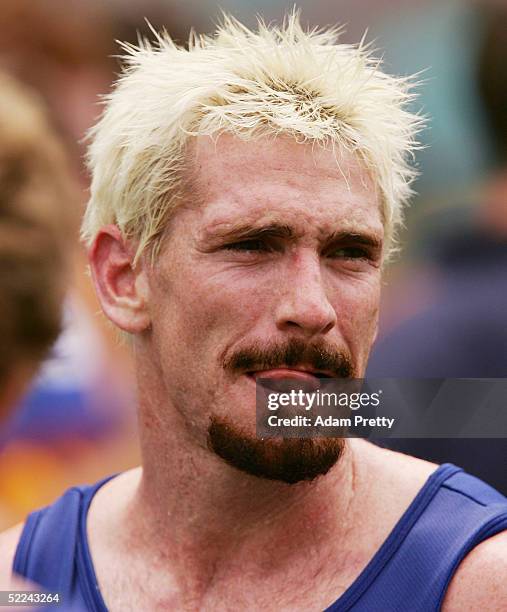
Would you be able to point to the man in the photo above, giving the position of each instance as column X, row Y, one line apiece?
column 245, row 195
column 36, row 219
column 36, row 194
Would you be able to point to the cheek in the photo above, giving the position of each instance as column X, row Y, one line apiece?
column 201, row 311
column 229, row 306
column 357, row 308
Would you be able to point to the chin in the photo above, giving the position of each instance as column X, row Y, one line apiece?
column 288, row 460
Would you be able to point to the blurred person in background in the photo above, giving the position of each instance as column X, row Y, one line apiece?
column 229, row 245
column 77, row 414
column 38, row 236
column 462, row 330
column 38, row 229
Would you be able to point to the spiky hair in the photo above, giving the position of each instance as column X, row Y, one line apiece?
column 272, row 81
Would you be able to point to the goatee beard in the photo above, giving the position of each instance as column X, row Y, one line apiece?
column 288, row 460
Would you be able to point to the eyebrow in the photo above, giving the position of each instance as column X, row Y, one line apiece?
column 246, row 231
column 243, row 231
column 363, row 238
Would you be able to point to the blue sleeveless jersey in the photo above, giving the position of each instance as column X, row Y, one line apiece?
column 451, row 514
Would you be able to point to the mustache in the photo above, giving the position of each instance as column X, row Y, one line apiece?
column 292, row 353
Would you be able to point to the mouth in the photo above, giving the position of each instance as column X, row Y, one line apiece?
column 303, row 374
column 285, row 379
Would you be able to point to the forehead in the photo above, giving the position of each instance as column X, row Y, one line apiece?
column 280, row 180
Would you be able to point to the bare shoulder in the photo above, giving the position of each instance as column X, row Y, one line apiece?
column 480, row 583
column 387, row 483
column 398, row 475
column 8, row 543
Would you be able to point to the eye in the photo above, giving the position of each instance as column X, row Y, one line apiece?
column 249, row 245
column 350, row 253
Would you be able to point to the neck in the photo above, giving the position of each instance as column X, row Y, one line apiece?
column 212, row 517
column 203, row 516
column 212, row 501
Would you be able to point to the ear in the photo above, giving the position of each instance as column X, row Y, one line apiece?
column 122, row 289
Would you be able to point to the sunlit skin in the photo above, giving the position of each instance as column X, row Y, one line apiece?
column 277, row 240
column 285, row 243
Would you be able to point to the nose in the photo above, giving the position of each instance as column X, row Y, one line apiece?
column 303, row 304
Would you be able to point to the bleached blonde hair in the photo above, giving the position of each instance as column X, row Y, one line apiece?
column 272, row 81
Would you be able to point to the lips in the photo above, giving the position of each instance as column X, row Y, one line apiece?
column 286, row 379
column 288, row 373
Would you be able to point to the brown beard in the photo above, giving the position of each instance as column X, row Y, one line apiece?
column 287, row 460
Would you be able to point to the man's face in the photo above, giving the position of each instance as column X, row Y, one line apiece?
column 273, row 270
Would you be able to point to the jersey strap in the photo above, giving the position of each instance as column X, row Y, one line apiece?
column 453, row 513
column 50, row 550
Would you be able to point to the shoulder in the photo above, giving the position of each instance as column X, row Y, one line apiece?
column 56, row 530
column 8, row 543
column 389, row 473
column 480, row 583
column 385, row 483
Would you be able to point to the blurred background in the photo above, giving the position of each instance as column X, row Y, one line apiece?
column 445, row 301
